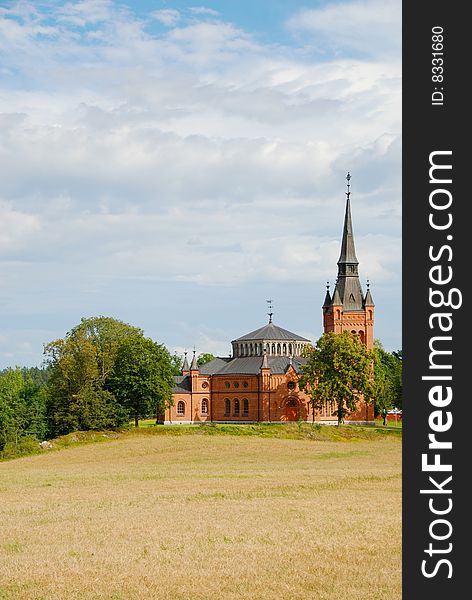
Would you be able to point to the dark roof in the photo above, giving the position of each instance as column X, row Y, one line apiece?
column 327, row 300
column 350, row 292
column 213, row 366
column 193, row 364
column 251, row 365
column 368, row 299
column 185, row 366
column 348, row 251
column 271, row 332
column 182, row 384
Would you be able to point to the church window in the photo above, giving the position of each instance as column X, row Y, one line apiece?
column 236, row 384
column 245, row 407
column 278, row 349
column 291, row 385
column 284, row 349
column 204, row 385
column 181, row 408
column 227, row 406
column 226, row 384
column 273, row 348
column 351, row 298
column 236, row 407
column 245, row 384
column 369, row 313
column 290, row 349
column 204, row 406
column 338, row 314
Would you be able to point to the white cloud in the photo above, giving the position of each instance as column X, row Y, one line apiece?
column 160, row 177
column 166, row 16
column 203, row 10
column 367, row 26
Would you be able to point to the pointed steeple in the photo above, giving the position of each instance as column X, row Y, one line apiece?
column 185, row 367
column 368, row 301
column 327, row 300
column 348, row 285
column 336, row 297
column 265, row 363
column 348, row 251
column 193, row 364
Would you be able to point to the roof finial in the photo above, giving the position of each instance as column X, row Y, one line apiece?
column 348, row 177
column 270, row 306
column 327, row 286
column 368, row 284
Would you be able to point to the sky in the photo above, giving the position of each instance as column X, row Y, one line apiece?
column 174, row 165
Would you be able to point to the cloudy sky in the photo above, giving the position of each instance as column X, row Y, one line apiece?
column 174, row 165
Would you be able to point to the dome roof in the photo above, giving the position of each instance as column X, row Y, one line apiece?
column 273, row 333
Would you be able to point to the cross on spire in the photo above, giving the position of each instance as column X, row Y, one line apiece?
column 270, row 306
column 348, row 178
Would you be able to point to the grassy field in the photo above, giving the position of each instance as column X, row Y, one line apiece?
column 182, row 513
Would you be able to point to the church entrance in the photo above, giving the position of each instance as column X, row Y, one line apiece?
column 291, row 410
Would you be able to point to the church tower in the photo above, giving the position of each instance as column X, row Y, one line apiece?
column 348, row 309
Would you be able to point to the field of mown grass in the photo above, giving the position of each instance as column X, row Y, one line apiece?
column 202, row 513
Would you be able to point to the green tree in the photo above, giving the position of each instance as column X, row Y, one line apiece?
column 339, row 371
column 76, row 398
column 22, row 408
column 204, row 358
column 176, row 362
column 80, row 366
column 142, row 377
column 387, row 380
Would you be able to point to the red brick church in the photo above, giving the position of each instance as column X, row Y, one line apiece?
column 259, row 381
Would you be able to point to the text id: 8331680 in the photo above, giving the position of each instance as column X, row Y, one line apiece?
column 437, row 65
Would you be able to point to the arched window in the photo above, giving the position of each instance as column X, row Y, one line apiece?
column 361, row 335
column 273, row 348
column 369, row 315
column 290, row 349
column 245, row 407
column 227, row 406
column 181, row 407
column 278, row 349
column 204, row 406
column 284, row 349
column 236, row 407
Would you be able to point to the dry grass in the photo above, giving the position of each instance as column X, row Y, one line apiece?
column 203, row 518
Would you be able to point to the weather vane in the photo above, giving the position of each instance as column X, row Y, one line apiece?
column 348, row 177
column 270, row 306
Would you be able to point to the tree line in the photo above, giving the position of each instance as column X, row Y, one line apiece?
column 105, row 373
column 101, row 375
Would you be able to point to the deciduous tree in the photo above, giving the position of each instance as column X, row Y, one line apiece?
column 338, row 371
column 142, row 377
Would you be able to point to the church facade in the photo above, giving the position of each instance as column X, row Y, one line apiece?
column 259, row 381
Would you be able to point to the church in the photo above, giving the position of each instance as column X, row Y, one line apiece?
column 259, row 381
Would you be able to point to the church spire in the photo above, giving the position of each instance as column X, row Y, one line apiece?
column 348, row 286
column 185, row 367
column 348, row 251
column 327, row 300
column 194, row 365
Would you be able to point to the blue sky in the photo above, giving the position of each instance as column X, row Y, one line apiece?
column 175, row 164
